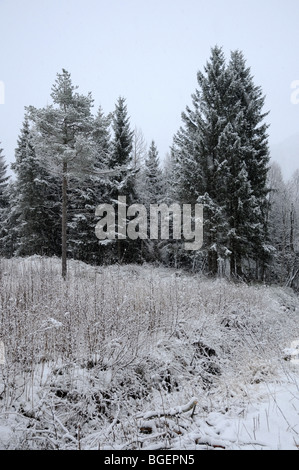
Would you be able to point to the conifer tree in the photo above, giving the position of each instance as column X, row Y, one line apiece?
column 247, row 102
column 123, row 183
column 63, row 140
column 34, row 216
column 122, row 142
column 200, row 165
column 153, row 176
column 151, row 191
column 102, row 137
column 221, row 160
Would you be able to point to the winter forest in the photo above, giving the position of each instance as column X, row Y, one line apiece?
column 219, row 158
column 100, row 335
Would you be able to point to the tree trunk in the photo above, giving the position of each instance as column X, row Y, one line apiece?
column 235, row 262
column 212, row 262
column 64, row 221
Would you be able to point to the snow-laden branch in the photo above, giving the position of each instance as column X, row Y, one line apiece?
column 172, row 411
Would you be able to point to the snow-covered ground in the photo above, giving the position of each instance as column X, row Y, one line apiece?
column 142, row 357
column 267, row 420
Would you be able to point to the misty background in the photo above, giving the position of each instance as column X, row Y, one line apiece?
column 148, row 52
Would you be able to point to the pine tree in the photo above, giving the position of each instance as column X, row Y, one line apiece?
column 63, row 140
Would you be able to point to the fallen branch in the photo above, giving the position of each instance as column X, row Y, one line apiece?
column 173, row 411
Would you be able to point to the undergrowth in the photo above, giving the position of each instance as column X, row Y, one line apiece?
column 86, row 359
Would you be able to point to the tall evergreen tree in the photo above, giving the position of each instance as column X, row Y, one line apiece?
column 200, row 164
column 153, row 176
column 151, row 191
column 63, row 140
column 123, row 183
column 247, row 101
column 122, row 143
column 34, row 216
column 218, row 152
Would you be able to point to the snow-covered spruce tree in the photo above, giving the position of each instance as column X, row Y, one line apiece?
column 248, row 226
column 171, row 252
column 34, row 215
column 151, row 191
column 63, row 140
column 4, row 200
column 218, row 152
column 153, row 176
column 199, row 165
column 102, row 136
column 123, row 183
column 87, row 194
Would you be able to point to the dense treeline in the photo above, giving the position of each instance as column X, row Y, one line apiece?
column 68, row 161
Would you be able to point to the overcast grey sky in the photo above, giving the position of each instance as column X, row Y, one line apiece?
column 148, row 51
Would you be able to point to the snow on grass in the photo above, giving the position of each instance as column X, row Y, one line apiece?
column 137, row 357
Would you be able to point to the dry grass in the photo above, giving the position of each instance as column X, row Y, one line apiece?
column 89, row 353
